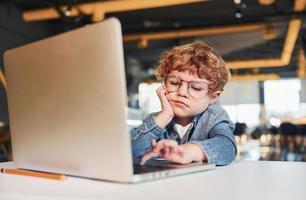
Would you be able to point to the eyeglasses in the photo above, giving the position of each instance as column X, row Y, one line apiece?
column 196, row 89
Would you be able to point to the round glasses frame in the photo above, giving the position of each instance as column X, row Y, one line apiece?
column 189, row 86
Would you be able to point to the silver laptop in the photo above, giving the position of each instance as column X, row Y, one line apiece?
column 67, row 100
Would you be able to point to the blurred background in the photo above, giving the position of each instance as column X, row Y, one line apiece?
column 262, row 41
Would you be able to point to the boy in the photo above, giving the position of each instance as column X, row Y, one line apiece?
column 191, row 126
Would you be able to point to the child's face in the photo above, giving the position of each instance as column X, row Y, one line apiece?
column 191, row 96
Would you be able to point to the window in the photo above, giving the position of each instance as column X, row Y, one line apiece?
column 244, row 113
column 282, row 97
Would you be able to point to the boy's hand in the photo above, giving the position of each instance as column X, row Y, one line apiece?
column 166, row 114
column 170, row 150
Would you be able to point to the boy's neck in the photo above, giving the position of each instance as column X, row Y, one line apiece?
column 183, row 121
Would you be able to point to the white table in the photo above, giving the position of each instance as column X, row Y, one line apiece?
column 242, row 180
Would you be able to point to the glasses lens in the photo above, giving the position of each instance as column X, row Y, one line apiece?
column 198, row 89
column 172, row 83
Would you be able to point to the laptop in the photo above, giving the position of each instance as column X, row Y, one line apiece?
column 67, row 107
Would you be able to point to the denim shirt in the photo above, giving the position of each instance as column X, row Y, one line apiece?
column 211, row 130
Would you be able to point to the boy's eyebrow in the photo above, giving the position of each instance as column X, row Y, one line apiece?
column 191, row 80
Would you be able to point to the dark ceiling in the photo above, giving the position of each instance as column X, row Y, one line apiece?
column 206, row 14
column 202, row 14
column 140, row 62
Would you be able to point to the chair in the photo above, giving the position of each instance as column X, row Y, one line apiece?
column 5, row 144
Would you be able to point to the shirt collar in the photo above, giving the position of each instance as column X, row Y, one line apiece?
column 193, row 122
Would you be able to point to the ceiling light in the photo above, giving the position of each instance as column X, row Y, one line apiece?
column 243, row 5
column 238, row 14
column 151, row 24
column 68, row 13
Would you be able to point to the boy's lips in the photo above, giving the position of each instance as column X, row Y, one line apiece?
column 180, row 103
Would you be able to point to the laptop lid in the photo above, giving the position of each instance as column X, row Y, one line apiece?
column 66, row 99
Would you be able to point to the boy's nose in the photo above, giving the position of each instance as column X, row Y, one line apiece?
column 183, row 89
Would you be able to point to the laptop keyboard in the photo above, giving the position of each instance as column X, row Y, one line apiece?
column 141, row 169
column 156, row 165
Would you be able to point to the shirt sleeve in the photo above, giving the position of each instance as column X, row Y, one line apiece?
column 142, row 136
column 220, row 148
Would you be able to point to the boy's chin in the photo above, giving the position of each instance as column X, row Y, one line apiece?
column 182, row 114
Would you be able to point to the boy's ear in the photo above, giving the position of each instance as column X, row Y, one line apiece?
column 214, row 97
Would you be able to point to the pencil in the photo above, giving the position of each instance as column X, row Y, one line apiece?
column 33, row 173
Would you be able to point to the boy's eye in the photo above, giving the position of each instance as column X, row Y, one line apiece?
column 197, row 88
column 174, row 81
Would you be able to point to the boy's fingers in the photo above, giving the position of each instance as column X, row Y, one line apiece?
column 180, row 149
column 175, row 158
column 170, row 143
column 147, row 157
column 155, row 151
column 158, row 146
column 165, row 144
column 166, row 151
column 174, row 150
column 161, row 93
column 162, row 148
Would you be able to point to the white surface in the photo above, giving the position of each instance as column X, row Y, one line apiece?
column 243, row 180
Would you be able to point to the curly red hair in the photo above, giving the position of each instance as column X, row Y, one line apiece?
column 196, row 58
